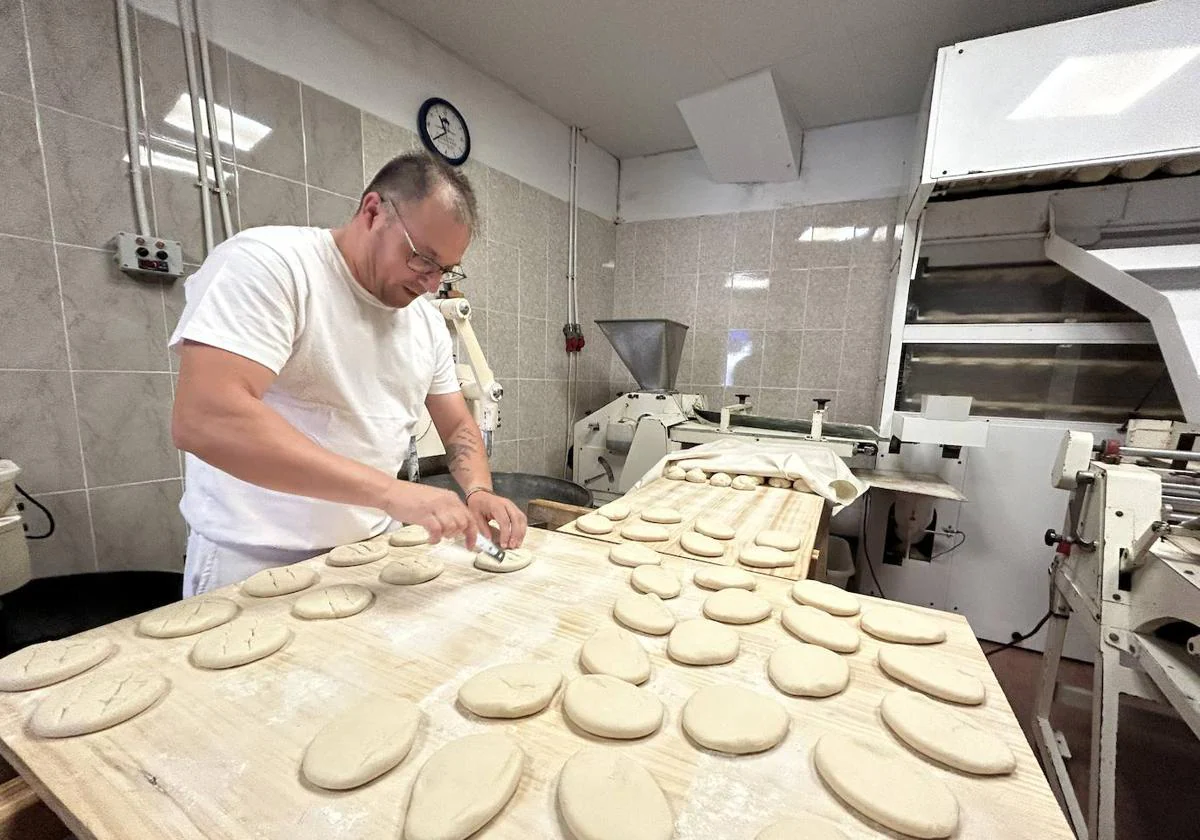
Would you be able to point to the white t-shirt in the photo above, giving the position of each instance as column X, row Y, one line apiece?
column 353, row 375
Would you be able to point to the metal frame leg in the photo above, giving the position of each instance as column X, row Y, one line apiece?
column 1102, row 783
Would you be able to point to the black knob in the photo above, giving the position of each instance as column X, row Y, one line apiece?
column 741, row 398
column 821, row 403
column 1052, row 538
column 143, row 252
column 162, row 255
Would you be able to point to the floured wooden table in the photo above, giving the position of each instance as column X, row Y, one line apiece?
column 218, row 757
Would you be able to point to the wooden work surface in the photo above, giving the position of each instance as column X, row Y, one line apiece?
column 218, row 756
column 749, row 511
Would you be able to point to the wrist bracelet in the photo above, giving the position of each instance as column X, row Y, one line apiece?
column 475, row 489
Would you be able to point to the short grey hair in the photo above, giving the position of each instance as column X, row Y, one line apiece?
column 413, row 177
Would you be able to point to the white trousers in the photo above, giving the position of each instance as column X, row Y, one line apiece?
column 210, row 565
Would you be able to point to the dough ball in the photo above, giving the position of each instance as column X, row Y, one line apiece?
column 699, row 641
column 594, row 523
column 607, row 796
column 644, row 613
column 611, row 708
column 696, row 476
column 615, row 510
column 662, row 515
column 736, row 606
column 512, row 690
column 818, row 627
column 801, row 485
column 340, row 601
column 809, row 828
column 720, row 479
column 356, row 554
column 38, row 666
column 462, row 786
column 646, row 532
column 825, row 596
column 932, row 729
column 805, row 670
column 187, row 617
column 675, row 473
column 783, row 540
column 655, row 579
column 361, row 744
column 283, row 580
column 96, row 703
column 700, row 545
column 615, row 652
column 735, row 720
column 715, row 527
column 720, row 577
column 515, row 559
column 744, row 482
column 633, row 554
column 409, row 535
column 894, row 624
column 240, row 642
column 765, row 557
column 931, row 673
column 411, row 569
column 777, row 481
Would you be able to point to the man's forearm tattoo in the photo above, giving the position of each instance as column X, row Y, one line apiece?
column 462, row 447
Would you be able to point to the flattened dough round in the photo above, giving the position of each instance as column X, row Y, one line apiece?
column 735, row 720
column 893, row 624
column 645, row 532
column 809, row 828
column 662, row 582
column 780, row 482
column 281, row 581
column 594, row 523
column 339, row 601
column 696, row 476
column 512, row 690
column 615, row 652
column 615, row 510
column 699, row 641
column 825, row 596
column 675, row 473
column 818, row 627
column 720, row 577
column 38, row 666
column 633, row 554
column 515, row 559
column 736, row 606
column 411, row 569
column 930, row 672
column 720, row 479
column 895, row 791
column 611, row 708
column 715, row 527
column 362, row 743
column 745, row 482
column 765, row 557
column 408, row 535
column 700, row 545
column 662, row 514
column 603, row 795
column 239, row 643
column 96, row 703
column 805, row 670
column 356, row 554
column 783, row 540
column 933, row 729
column 645, row 613
column 462, row 786
column 184, row 618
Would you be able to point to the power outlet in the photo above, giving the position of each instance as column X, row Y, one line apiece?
column 148, row 256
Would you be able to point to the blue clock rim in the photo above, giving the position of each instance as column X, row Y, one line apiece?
column 424, row 133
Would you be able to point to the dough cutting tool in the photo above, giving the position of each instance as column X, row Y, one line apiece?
column 484, row 543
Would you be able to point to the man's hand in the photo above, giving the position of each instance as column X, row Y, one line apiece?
column 440, row 512
column 485, row 505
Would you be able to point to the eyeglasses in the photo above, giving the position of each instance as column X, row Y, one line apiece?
column 423, row 265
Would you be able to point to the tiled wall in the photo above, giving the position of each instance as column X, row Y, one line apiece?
column 86, row 381
column 785, row 305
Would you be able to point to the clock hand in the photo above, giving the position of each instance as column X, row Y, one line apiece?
column 436, row 136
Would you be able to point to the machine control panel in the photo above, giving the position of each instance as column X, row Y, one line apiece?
column 148, row 256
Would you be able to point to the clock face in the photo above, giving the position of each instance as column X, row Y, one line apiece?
column 444, row 131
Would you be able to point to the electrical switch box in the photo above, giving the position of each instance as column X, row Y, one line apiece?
column 148, row 256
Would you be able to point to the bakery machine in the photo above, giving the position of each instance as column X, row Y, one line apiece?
column 14, row 550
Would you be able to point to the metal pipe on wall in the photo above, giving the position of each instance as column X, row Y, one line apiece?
column 189, row 60
column 572, row 299
column 214, row 140
column 131, row 119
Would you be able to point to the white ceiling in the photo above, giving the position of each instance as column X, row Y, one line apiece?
column 616, row 68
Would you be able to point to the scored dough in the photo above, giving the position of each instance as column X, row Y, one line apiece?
column 732, row 719
column 765, row 557
column 339, row 601
column 606, row 796
column 411, row 569
column 512, row 690
column 462, row 786
column 929, row 672
column 663, row 583
column 736, row 606
column 38, row 666
column 594, row 523
column 662, row 515
column 645, row 532
column 700, row 545
column 362, row 743
column 615, row 510
column 780, row 482
column 675, row 473
column 633, row 554
column 825, row 596
column 611, row 708
column 645, row 613
column 783, row 540
column 615, row 652
column 818, row 627
column 744, row 482
column 810, row 828
column 356, row 554
column 806, row 670
column 515, row 559
column 409, row 535
column 239, row 643
column 720, row 479
column 187, row 617
column 724, row 578
column 712, row 526
column 934, row 730
column 96, row 703
column 696, row 476
column 281, row 581
column 894, row 791
column 699, row 641
column 893, row 624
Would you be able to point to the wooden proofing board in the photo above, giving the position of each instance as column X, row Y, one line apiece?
column 218, row 756
column 686, row 497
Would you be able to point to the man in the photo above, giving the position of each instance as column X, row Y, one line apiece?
column 305, row 355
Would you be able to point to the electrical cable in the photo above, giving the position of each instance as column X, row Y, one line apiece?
column 43, row 509
column 954, row 547
column 866, row 549
column 1020, row 637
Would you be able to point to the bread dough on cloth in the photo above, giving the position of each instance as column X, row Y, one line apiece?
column 633, row 554
column 615, row 652
column 283, row 580
column 893, row 790
column 809, row 828
column 805, row 670
column 463, row 786
column 662, row 582
column 699, row 641
column 594, row 523
column 38, row 666
column 765, row 557
column 515, row 559
column 411, row 569
column 732, row 719
column 818, row 627
column 340, row 601
column 96, row 703
column 934, row 729
column 615, row 510
column 239, row 642
column 645, row 613
column 409, row 535
column 696, row 476
column 720, row 479
column 824, row 596
column 715, row 527
column 783, row 540
column 645, row 532
column 675, row 473
column 662, row 515
column 723, row 578
column 362, row 743
column 184, row 618
column 356, row 554
column 611, row 708
column 931, row 673
column 511, row 690
column 893, row 624
column 605, row 795
column 700, row 545
column 780, row 482
column 736, row 606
